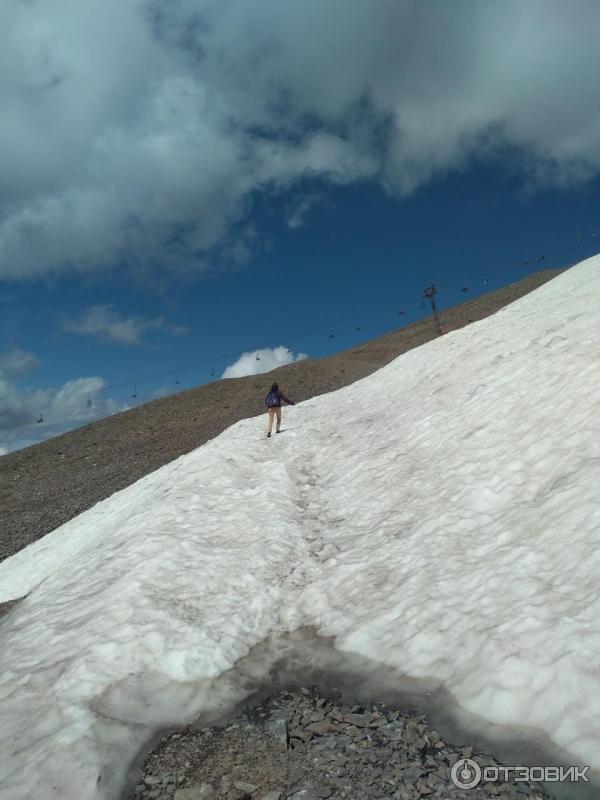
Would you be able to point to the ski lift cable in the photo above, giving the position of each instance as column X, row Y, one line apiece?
column 332, row 323
column 290, row 337
column 329, row 324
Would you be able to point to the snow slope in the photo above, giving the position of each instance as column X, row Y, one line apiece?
column 439, row 516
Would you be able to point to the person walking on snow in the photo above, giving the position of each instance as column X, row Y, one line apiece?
column 273, row 402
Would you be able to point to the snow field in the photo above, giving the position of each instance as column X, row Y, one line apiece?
column 439, row 517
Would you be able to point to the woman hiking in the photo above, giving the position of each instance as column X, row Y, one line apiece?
column 273, row 402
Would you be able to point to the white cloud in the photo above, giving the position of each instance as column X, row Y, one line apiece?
column 299, row 209
column 268, row 359
column 104, row 323
column 140, row 133
column 62, row 409
column 14, row 363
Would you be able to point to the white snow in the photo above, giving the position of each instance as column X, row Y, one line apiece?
column 439, row 516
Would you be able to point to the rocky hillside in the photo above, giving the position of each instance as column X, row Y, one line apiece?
column 43, row 486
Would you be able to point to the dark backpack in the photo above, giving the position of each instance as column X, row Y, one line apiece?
column 273, row 399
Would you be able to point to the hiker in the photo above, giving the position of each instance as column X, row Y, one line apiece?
column 273, row 403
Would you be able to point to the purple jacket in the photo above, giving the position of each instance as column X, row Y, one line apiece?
column 280, row 397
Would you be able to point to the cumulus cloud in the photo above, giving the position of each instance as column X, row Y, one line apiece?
column 104, row 323
column 268, row 359
column 139, row 133
column 60, row 409
column 14, row 363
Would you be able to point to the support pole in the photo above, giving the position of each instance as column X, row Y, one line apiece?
column 429, row 294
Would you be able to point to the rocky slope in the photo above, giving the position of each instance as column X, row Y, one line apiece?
column 43, row 486
column 301, row 745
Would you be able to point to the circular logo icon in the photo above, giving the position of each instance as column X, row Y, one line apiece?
column 466, row 773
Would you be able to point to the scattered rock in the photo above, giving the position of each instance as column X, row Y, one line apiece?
column 320, row 728
column 277, row 728
column 201, row 791
column 359, row 720
column 302, row 746
column 246, row 789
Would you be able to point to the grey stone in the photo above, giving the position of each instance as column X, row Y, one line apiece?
column 245, row 788
column 200, row 791
column 424, row 788
column 491, row 788
column 300, row 733
column 277, row 729
column 360, row 720
column 272, row 796
column 320, row 728
column 378, row 722
column 414, row 772
column 337, row 741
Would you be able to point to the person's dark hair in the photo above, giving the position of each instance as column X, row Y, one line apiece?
column 275, row 387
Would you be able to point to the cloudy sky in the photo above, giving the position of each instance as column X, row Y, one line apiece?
column 186, row 184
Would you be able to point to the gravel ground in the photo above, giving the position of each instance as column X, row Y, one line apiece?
column 303, row 746
column 43, row 486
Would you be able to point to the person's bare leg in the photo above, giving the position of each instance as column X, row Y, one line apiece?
column 278, row 413
column 271, row 413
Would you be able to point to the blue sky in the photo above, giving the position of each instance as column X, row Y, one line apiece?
column 220, row 199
